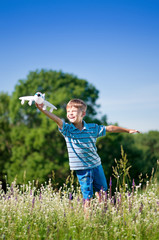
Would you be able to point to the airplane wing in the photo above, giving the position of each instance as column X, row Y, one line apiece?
column 48, row 104
column 27, row 98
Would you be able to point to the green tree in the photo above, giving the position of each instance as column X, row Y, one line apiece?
column 38, row 148
column 5, row 129
column 148, row 143
column 109, row 149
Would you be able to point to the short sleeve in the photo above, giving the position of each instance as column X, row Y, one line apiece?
column 64, row 128
column 101, row 131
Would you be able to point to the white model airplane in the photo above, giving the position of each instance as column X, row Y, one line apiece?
column 39, row 98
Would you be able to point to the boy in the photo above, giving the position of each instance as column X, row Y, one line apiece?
column 81, row 145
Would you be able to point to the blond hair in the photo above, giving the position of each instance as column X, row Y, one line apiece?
column 77, row 103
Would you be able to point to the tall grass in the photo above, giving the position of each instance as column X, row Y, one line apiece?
column 45, row 213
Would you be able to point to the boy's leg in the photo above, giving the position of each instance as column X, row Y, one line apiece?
column 100, row 182
column 85, row 178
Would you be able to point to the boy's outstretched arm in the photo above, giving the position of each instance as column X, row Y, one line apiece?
column 117, row 129
column 52, row 116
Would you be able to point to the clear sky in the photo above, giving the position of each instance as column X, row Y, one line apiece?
column 112, row 44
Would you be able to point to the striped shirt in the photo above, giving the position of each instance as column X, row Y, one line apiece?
column 81, row 145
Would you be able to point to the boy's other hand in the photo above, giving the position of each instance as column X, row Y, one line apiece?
column 133, row 131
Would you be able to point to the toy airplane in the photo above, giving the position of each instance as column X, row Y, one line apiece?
column 39, row 98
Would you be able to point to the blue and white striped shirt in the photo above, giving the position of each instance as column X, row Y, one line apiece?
column 81, row 145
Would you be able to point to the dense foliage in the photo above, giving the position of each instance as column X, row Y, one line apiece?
column 31, row 146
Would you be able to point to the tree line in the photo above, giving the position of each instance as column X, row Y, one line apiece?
column 31, row 147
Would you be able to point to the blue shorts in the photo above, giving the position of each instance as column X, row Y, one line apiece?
column 90, row 178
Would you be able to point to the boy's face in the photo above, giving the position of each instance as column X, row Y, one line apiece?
column 75, row 115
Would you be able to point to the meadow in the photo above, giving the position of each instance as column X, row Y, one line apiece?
column 45, row 212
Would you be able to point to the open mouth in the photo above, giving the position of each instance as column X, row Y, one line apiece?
column 71, row 118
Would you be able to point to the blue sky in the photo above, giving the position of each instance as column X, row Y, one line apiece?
column 112, row 44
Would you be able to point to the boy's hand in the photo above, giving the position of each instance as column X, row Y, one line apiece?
column 39, row 106
column 133, row 131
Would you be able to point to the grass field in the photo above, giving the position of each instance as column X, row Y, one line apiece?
column 30, row 213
